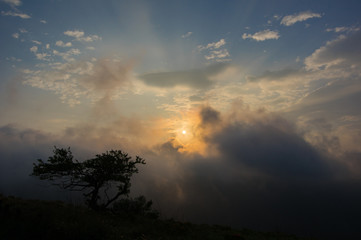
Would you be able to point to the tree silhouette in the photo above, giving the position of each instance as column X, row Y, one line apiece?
column 97, row 177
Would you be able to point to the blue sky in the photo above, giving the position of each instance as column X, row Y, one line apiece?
column 241, row 93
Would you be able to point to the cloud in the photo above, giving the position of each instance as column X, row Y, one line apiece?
column 108, row 75
column 270, row 171
column 42, row 56
column 39, row 56
column 271, row 150
column 214, row 52
column 103, row 79
column 343, row 29
column 68, row 55
column 197, row 78
column 279, row 75
column 262, row 35
column 298, row 17
column 340, row 94
column 15, row 35
column 344, row 51
column 187, row 35
column 15, row 3
column 17, row 154
column 338, row 60
column 209, row 115
column 213, row 45
column 15, row 14
column 34, row 49
column 13, row 59
column 76, row 34
column 217, row 54
column 36, row 42
column 43, row 21
column 263, row 175
column 80, row 36
column 62, row 44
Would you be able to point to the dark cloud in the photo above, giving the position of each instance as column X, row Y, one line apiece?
column 265, row 176
column 270, row 150
column 18, row 150
column 219, row 190
column 209, row 116
column 197, row 78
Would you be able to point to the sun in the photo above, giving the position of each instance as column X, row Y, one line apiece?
column 184, row 132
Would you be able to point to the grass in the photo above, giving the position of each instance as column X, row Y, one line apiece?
column 36, row 219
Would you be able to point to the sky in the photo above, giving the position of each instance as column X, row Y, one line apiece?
column 246, row 112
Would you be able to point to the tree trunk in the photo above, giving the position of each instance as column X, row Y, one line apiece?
column 93, row 202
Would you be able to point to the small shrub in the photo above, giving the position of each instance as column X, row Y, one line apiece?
column 135, row 206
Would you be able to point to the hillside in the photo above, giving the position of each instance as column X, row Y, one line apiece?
column 36, row 219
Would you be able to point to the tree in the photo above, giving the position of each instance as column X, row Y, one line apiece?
column 96, row 177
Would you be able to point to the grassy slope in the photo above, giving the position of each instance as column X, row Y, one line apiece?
column 35, row 219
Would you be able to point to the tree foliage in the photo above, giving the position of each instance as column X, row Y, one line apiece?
column 103, row 179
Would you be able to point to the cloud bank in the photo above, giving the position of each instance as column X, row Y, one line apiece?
column 257, row 172
column 341, row 52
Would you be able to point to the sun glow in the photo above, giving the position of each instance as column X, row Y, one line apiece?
column 184, row 132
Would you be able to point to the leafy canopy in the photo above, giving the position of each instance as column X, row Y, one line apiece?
column 97, row 177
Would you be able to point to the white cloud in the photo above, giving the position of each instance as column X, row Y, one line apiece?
column 47, row 46
column 14, row 59
column 216, row 54
column 90, row 38
column 15, row 35
column 343, row 29
column 80, row 36
column 43, row 21
column 34, row 49
column 214, row 45
column 22, row 30
column 277, row 17
column 298, row 17
column 15, row 14
column 41, row 56
column 67, row 55
column 76, row 33
column 13, row 2
column 262, row 35
column 216, row 51
column 188, row 34
column 62, row 44
column 36, row 42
